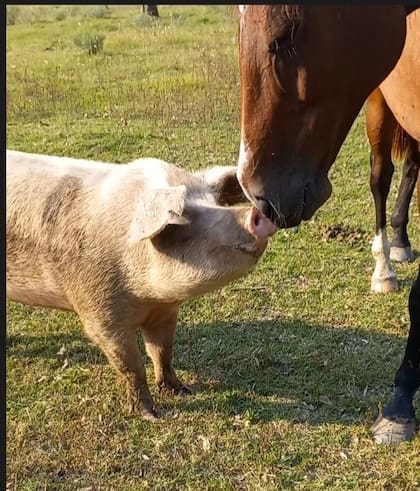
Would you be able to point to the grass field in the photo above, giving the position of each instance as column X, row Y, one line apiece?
column 290, row 365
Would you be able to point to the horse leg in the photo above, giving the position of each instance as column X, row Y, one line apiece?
column 397, row 423
column 400, row 245
column 380, row 125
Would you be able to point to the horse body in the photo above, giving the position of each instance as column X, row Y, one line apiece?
column 401, row 88
column 306, row 71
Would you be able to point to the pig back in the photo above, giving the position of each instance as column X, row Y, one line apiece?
column 58, row 248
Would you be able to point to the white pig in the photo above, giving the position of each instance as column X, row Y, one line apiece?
column 123, row 245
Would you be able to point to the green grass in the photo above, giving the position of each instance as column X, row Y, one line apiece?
column 290, row 365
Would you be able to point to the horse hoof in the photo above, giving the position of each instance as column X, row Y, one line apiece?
column 402, row 254
column 393, row 432
column 387, row 285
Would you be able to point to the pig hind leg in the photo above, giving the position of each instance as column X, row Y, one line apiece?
column 121, row 349
column 158, row 335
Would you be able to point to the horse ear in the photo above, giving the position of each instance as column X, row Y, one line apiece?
column 157, row 209
column 224, row 184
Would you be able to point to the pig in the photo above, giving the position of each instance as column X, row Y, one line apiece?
column 123, row 246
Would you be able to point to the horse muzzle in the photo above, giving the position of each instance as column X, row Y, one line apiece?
column 288, row 203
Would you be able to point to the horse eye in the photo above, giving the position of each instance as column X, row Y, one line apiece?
column 280, row 41
column 275, row 45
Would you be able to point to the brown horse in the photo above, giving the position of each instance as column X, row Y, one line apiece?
column 306, row 71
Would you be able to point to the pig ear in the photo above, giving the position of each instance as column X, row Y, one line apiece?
column 157, row 209
column 224, row 184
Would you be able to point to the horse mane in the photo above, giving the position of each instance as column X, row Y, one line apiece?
column 291, row 12
column 402, row 143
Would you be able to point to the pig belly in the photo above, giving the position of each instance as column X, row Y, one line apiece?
column 35, row 292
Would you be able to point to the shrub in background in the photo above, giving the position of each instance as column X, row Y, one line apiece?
column 99, row 11
column 92, row 42
column 12, row 14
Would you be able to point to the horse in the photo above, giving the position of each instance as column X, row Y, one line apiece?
column 386, row 138
column 305, row 72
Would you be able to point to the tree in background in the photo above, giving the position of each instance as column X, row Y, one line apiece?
column 151, row 10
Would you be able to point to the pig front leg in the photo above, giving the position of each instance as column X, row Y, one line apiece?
column 158, row 335
column 120, row 348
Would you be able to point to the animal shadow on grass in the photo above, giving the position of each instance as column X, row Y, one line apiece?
column 262, row 370
column 274, row 370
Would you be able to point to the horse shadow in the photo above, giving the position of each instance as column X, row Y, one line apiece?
column 259, row 370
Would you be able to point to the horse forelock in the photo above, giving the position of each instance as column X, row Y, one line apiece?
column 292, row 13
column 271, row 18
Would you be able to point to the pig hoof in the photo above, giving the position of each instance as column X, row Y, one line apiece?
column 176, row 389
column 184, row 390
column 150, row 415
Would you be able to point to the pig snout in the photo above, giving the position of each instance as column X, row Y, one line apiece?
column 258, row 225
